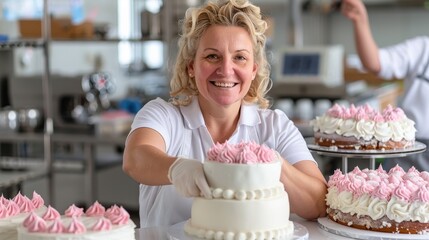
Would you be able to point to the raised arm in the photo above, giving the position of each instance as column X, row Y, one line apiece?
column 366, row 47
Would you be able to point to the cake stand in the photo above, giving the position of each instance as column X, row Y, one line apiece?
column 176, row 232
column 418, row 147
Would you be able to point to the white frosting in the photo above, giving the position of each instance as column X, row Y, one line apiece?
column 365, row 129
column 395, row 209
column 122, row 232
column 248, row 202
column 8, row 225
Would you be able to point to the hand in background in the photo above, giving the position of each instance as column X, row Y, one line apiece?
column 187, row 175
column 354, row 10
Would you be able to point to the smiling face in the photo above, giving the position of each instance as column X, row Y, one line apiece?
column 224, row 65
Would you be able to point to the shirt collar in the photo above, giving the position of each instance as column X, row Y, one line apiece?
column 194, row 118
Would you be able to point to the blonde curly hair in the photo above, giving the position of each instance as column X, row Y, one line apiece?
column 239, row 13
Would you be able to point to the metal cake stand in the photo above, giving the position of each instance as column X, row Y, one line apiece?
column 345, row 154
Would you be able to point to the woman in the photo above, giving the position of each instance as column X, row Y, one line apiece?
column 218, row 86
column 408, row 60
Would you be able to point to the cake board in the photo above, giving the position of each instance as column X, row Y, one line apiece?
column 176, row 232
column 339, row 229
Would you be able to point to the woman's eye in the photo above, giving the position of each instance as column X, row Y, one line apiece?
column 212, row 56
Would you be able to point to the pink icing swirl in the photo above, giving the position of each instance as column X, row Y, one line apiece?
column 56, row 227
column 19, row 199
column 73, row 211
column 75, row 227
column 121, row 218
column 37, row 200
column 243, row 152
column 113, row 210
column 3, row 211
column 51, row 214
column 95, row 209
column 382, row 192
column 26, row 206
column 103, row 224
column 29, row 219
column 3, row 200
column 12, row 208
column 402, row 192
column 37, row 225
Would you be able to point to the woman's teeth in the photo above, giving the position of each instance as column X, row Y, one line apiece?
column 225, row 85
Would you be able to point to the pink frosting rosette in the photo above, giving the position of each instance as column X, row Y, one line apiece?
column 382, row 192
column 19, row 199
column 121, row 218
column 51, row 214
column 265, row 154
column 96, row 209
column 3, row 200
column 29, row 219
column 37, row 200
column 76, row 226
column 37, row 225
column 335, row 111
column 26, row 206
column 12, row 208
column 402, row 192
column 3, row 211
column 422, row 194
column 113, row 210
column 335, row 178
column 246, row 156
column 102, row 224
column 73, row 211
column 56, row 227
column 377, row 117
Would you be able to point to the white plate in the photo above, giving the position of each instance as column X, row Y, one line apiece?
column 339, row 229
column 176, row 232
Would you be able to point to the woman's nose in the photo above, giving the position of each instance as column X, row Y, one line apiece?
column 225, row 68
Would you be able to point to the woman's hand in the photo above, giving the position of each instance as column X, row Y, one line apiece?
column 187, row 175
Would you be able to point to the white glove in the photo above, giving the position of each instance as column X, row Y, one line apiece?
column 187, row 175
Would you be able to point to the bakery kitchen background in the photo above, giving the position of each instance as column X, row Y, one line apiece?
column 68, row 93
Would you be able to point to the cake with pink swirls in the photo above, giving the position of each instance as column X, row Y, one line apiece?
column 364, row 128
column 13, row 212
column 248, row 200
column 394, row 201
column 96, row 222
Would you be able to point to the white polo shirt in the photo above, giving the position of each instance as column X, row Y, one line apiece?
column 185, row 134
column 410, row 60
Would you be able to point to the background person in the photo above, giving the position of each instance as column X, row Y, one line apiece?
column 408, row 60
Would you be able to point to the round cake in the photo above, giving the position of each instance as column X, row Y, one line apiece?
column 248, row 200
column 14, row 211
column 364, row 128
column 96, row 223
column 395, row 201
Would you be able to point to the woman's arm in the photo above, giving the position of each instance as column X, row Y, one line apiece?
column 366, row 46
column 145, row 159
column 306, row 188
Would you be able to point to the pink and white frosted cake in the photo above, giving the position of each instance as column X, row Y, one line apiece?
column 395, row 201
column 248, row 199
column 96, row 223
column 14, row 211
column 364, row 128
